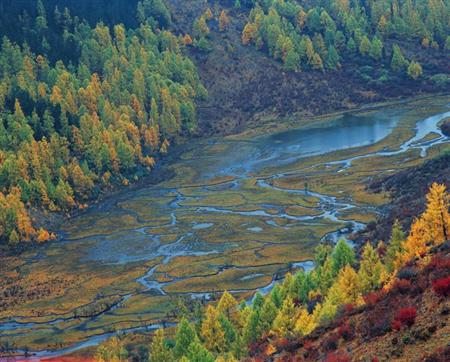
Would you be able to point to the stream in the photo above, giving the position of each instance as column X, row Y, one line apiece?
column 171, row 221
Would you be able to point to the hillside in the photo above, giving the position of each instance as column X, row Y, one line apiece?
column 369, row 333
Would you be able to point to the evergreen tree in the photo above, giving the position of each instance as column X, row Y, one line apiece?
column 183, row 338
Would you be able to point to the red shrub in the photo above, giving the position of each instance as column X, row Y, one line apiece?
column 331, row 343
column 373, row 298
column 348, row 307
column 282, row 343
column 405, row 316
column 403, row 286
column 337, row 357
column 375, row 359
column 396, row 325
column 439, row 263
column 345, row 331
column 442, row 286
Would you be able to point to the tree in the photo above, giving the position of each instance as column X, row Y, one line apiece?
column 304, row 324
column 284, row 322
column 332, row 58
column 376, row 49
column 436, row 216
column 292, row 60
column 224, row 20
column 249, row 33
column 342, row 255
column 197, row 353
column 267, row 316
column 211, row 330
column 200, row 29
column 395, row 247
column 227, row 305
column 370, row 270
column 398, row 61
column 112, row 351
column 183, row 338
column 364, row 46
column 414, row 70
column 316, row 62
column 159, row 352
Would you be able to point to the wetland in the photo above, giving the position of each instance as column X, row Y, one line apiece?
column 236, row 214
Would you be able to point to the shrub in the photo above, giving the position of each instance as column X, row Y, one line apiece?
column 442, row 286
column 402, row 286
column 396, row 325
column 405, row 317
column 331, row 343
column 346, row 331
column 373, row 298
column 407, row 273
column 337, row 357
column 438, row 263
column 348, row 308
column 376, row 323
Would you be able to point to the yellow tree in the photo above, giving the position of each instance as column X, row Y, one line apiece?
column 211, row 330
column 305, row 323
column 436, row 216
column 224, row 20
column 345, row 289
column 249, row 33
column 284, row 322
column 159, row 352
column 227, row 305
column 370, row 270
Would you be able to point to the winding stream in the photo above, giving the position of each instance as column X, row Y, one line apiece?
column 173, row 219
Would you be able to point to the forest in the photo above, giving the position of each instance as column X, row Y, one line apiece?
column 329, row 35
column 102, row 116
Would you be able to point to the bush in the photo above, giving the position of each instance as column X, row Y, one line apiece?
column 337, row 357
column 405, row 317
column 442, row 286
column 331, row 343
column 407, row 273
column 346, row 331
column 373, row 298
column 402, row 286
column 438, row 263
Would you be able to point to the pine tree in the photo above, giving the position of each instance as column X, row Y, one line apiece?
column 211, row 330
column 284, row 322
column 364, row 46
column 414, row 70
column 370, row 270
column 224, row 20
column 197, row 353
column 437, row 216
column 395, row 247
column 159, row 352
column 342, row 255
column 304, row 324
column 227, row 305
column 183, row 338
column 398, row 61
column 376, row 49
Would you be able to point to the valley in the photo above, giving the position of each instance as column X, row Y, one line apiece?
column 228, row 213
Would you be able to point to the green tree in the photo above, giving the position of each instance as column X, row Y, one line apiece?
column 159, row 352
column 395, row 247
column 398, row 61
column 414, row 70
column 342, row 255
column 183, row 338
